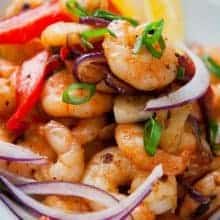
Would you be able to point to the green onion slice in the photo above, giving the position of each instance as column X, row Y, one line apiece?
column 212, row 65
column 75, row 8
column 180, row 73
column 94, row 33
column 213, row 131
column 152, row 134
column 69, row 98
column 151, row 38
column 111, row 17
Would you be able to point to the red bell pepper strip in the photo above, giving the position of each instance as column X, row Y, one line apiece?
column 29, row 87
column 29, row 24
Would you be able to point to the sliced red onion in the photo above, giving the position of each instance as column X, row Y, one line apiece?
column 20, row 212
column 54, row 63
column 15, row 178
column 90, row 67
column 70, row 189
column 193, row 90
column 216, row 215
column 120, row 86
column 94, row 21
column 7, row 212
column 117, row 212
column 11, row 152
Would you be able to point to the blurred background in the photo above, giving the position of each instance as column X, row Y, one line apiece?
column 201, row 18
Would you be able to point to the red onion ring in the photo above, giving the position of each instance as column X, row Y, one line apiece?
column 11, row 152
column 193, row 90
column 94, row 21
column 83, row 66
column 119, row 211
column 215, row 216
column 15, row 178
column 70, row 189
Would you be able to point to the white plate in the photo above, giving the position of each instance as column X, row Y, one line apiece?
column 202, row 20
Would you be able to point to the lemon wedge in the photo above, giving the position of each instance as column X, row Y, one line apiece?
column 151, row 10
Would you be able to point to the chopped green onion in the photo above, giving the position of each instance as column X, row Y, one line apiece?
column 180, row 73
column 152, row 134
column 212, row 65
column 94, row 33
column 75, row 8
column 151, row 38
column 111, row 17
column 156, row 52
column 69, row 98
column 213, row 131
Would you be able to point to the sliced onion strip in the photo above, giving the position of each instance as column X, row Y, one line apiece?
column 117, row 212
column 15, row 178
column 70, row 189
column 193, row 90
column 11, row 152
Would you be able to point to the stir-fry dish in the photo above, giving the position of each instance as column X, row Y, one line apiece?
column 104, row 117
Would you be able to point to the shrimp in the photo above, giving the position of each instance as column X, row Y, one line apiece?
column 70, row 155
column 33, row 140
column 68, row 204
column 20, row 5
column 88, row 129
column 109, row 170
column 8, row 97
column 208, row 186
column 57, row 34
column 129, row 138
column 141, row 70
column 53, row 105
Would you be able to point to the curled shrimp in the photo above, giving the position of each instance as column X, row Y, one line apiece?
column 88, row 130
column 109, row 170
column 129, row 138
column 69, row 165
column 53, row 105
column 141, row 70
column 208, row 186
column 57, row 34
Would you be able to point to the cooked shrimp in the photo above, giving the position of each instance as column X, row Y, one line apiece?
column 33, row 140
column 208, row 186
column 141, row 70
column 163, row 197
column 8, row 97
column 88, row 129
column 68, row 204
column 109, row 170
column 18, row 6
column 70, row 155
column 57, row 34
column 53, row 105
column 129, row 138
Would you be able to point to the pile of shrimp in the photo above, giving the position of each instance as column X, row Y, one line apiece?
column 86, row 144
